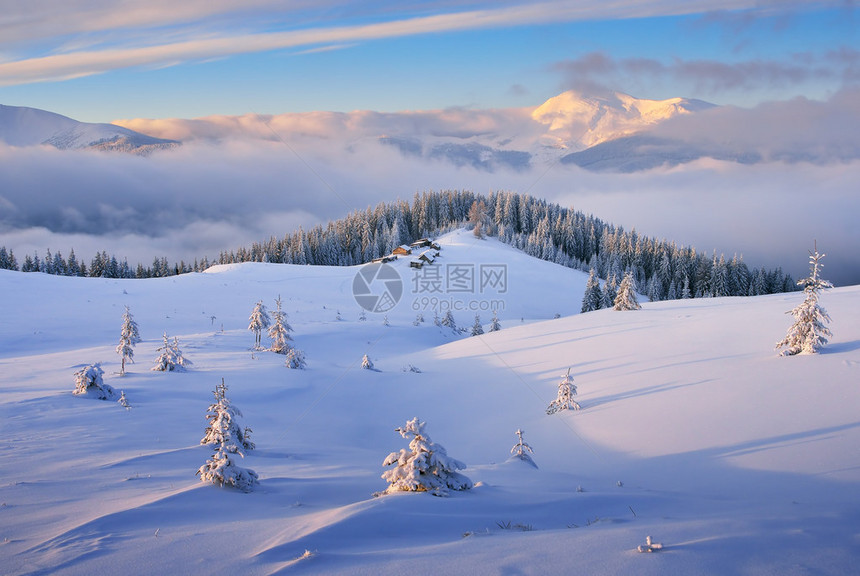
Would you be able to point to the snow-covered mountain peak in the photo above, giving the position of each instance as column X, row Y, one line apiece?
column 576, row 121
column 22, row 126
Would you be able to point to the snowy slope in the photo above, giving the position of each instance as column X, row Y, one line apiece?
column 21, row 126
column 738, row 461
column 644, row 151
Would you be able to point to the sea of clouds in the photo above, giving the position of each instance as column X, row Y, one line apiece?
column 236, row 180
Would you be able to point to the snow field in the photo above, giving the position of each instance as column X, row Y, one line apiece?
column 738, row 461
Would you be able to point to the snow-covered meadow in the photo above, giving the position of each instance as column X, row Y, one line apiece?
column 692, row 430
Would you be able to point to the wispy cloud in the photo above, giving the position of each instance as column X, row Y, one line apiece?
column 598, row 71
column 86, row 37
column 40, row 20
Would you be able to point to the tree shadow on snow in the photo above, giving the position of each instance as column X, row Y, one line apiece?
column 841, row 347
column 643, row 391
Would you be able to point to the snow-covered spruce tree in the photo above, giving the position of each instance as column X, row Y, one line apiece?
column 719, row 277
column 808, row 334
column 367, row 363
column 685, row 290
column 448, row 321
column 566, row 392
column 222, row 470
column 672, row 292
column 592, row 298
column 171, row 358
column 521, row 450
column 609, row 292
column 129, row 336
column 181, row 362
column 626, row 297
column 477, row 329
column 425, row 467
column 495, row 326
column 296, row 359
column 259, row 321
column 223, row 424
column 478, row 218
column 280, row 330
column 165, row 361
column 653, row 289
column 88, row 382
column 7, row 260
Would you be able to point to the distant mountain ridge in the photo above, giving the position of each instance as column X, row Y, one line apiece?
column 22, row 126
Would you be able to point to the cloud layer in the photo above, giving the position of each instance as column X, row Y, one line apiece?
column 205, row 198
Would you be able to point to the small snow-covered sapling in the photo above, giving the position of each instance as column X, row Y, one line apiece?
column 230, row 439
column 296, row 359
column 89, row 382
column 808, row 334
column 367, row 363
column 650, row 545
column 129, row 336
column 424, row 467
column 171, row 358
column 521, row 449
column 280, row 329
column 258, row 321
column 564, row 399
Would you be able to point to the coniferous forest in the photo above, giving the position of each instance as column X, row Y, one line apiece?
column 662, row 269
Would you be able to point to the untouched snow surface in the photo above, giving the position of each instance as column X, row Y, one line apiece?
column 692, row 431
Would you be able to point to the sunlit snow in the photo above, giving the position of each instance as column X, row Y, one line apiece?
column 692, row 430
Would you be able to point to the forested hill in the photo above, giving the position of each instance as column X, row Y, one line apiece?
column 662, row 270
column 548, row 231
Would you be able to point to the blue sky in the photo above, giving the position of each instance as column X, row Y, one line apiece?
column 100, row 60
